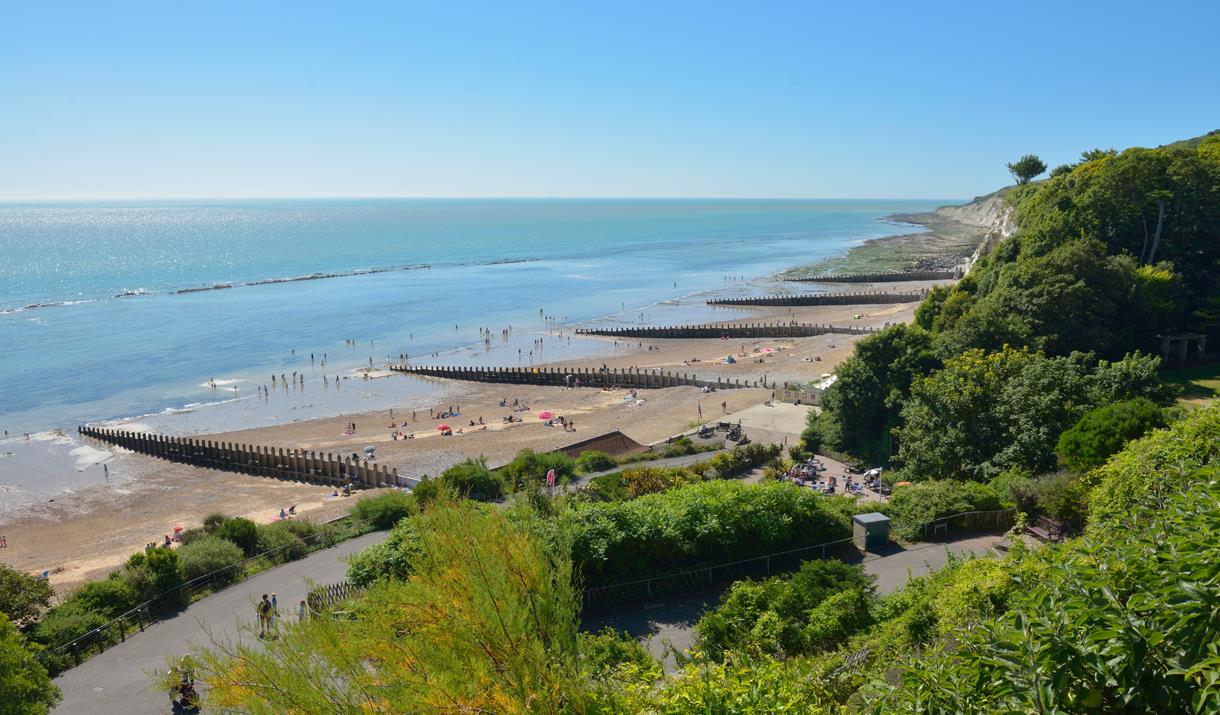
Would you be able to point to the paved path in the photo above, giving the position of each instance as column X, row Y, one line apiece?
column 671, row 624
column 116, row 681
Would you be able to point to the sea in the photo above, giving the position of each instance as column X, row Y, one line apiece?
column 171, row 314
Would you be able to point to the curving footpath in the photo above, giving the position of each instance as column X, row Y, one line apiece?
column 117, row 680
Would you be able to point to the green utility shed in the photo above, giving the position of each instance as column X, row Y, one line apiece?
column 870, row 531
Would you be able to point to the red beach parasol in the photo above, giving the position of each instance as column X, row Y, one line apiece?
column 443, row 428
column 546, row 415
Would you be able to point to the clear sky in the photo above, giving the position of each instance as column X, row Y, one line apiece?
column 660, row 98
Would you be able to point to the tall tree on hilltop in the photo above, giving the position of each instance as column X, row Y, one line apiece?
column 1026, row 168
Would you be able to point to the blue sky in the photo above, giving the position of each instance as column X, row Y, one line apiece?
column 760, row 99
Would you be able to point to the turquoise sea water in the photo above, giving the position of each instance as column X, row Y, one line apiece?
column 94, row 324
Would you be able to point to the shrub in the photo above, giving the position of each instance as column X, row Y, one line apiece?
column 1134, row 482
column 212, row 521
column 772, row 615
column 739, row 460
column 280, row 543
column 639, row 481
column 528, row 469
column 836, row 619
column 211, row 555
column 914, row 505
column 1062, row 497
column 385, row 509
column 1015, row 487
column 707, row 522
column 594, row 461
column 472, row 479
column 60, row 625
column 1104, row 431
column 242, row 532
column 156, row 573
column 110, row 597
column 608, row 650
column 22, row 596
column 389, row 559
column 427, row 491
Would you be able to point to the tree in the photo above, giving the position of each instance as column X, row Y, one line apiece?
column 1026, row 168
column 25, row 687
column 871, row 385
column 1104, row 431
column 22, row 596
column 984, row 413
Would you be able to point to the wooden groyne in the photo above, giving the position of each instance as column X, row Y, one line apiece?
column 881, row 277
column 869, row 298
column 748, row 330
column 292, row 465
column 574, row 377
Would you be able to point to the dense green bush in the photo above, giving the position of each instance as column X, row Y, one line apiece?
column 279, row 543
column 110, row 597
column 913, row 506
column 740, row 460
column 156, row 574
column 591, row 461
column 211, row 555
column 528, row 469
column 212, row 521
column 984, row 413
column 473, row 479
column 774, row 615
column 385, row 509
column 62, row 624
column 608, row 651
column 1122, row 622
column 387, row 559
column 22, row 596
column 1104, row 431
column 709, row 522
column 25, row 687
column 242, row 532
column 1135, row 482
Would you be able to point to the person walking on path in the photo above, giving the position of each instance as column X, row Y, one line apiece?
column 264, row 616
column 274, row 609
column 302, row 611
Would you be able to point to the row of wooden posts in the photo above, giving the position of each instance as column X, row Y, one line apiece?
column 294, row 465
column 881, row 277
column 743, row 330
column 576, row 376
column 795, row 299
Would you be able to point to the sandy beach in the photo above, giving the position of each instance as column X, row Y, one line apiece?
column 85, row 534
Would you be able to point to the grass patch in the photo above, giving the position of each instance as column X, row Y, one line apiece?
column 1199, row 384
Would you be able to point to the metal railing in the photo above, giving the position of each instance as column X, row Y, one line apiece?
column 141, row 616
column 969, row 522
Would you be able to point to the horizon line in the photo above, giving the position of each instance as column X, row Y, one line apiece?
column 84, row 199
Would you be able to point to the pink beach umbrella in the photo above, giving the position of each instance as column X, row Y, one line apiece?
column 443, row 428
column 546, row 415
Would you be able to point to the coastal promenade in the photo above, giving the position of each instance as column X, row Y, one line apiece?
column 117, row 680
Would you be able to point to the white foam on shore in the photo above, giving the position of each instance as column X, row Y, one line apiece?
column 224, row 381
column 87, row 456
